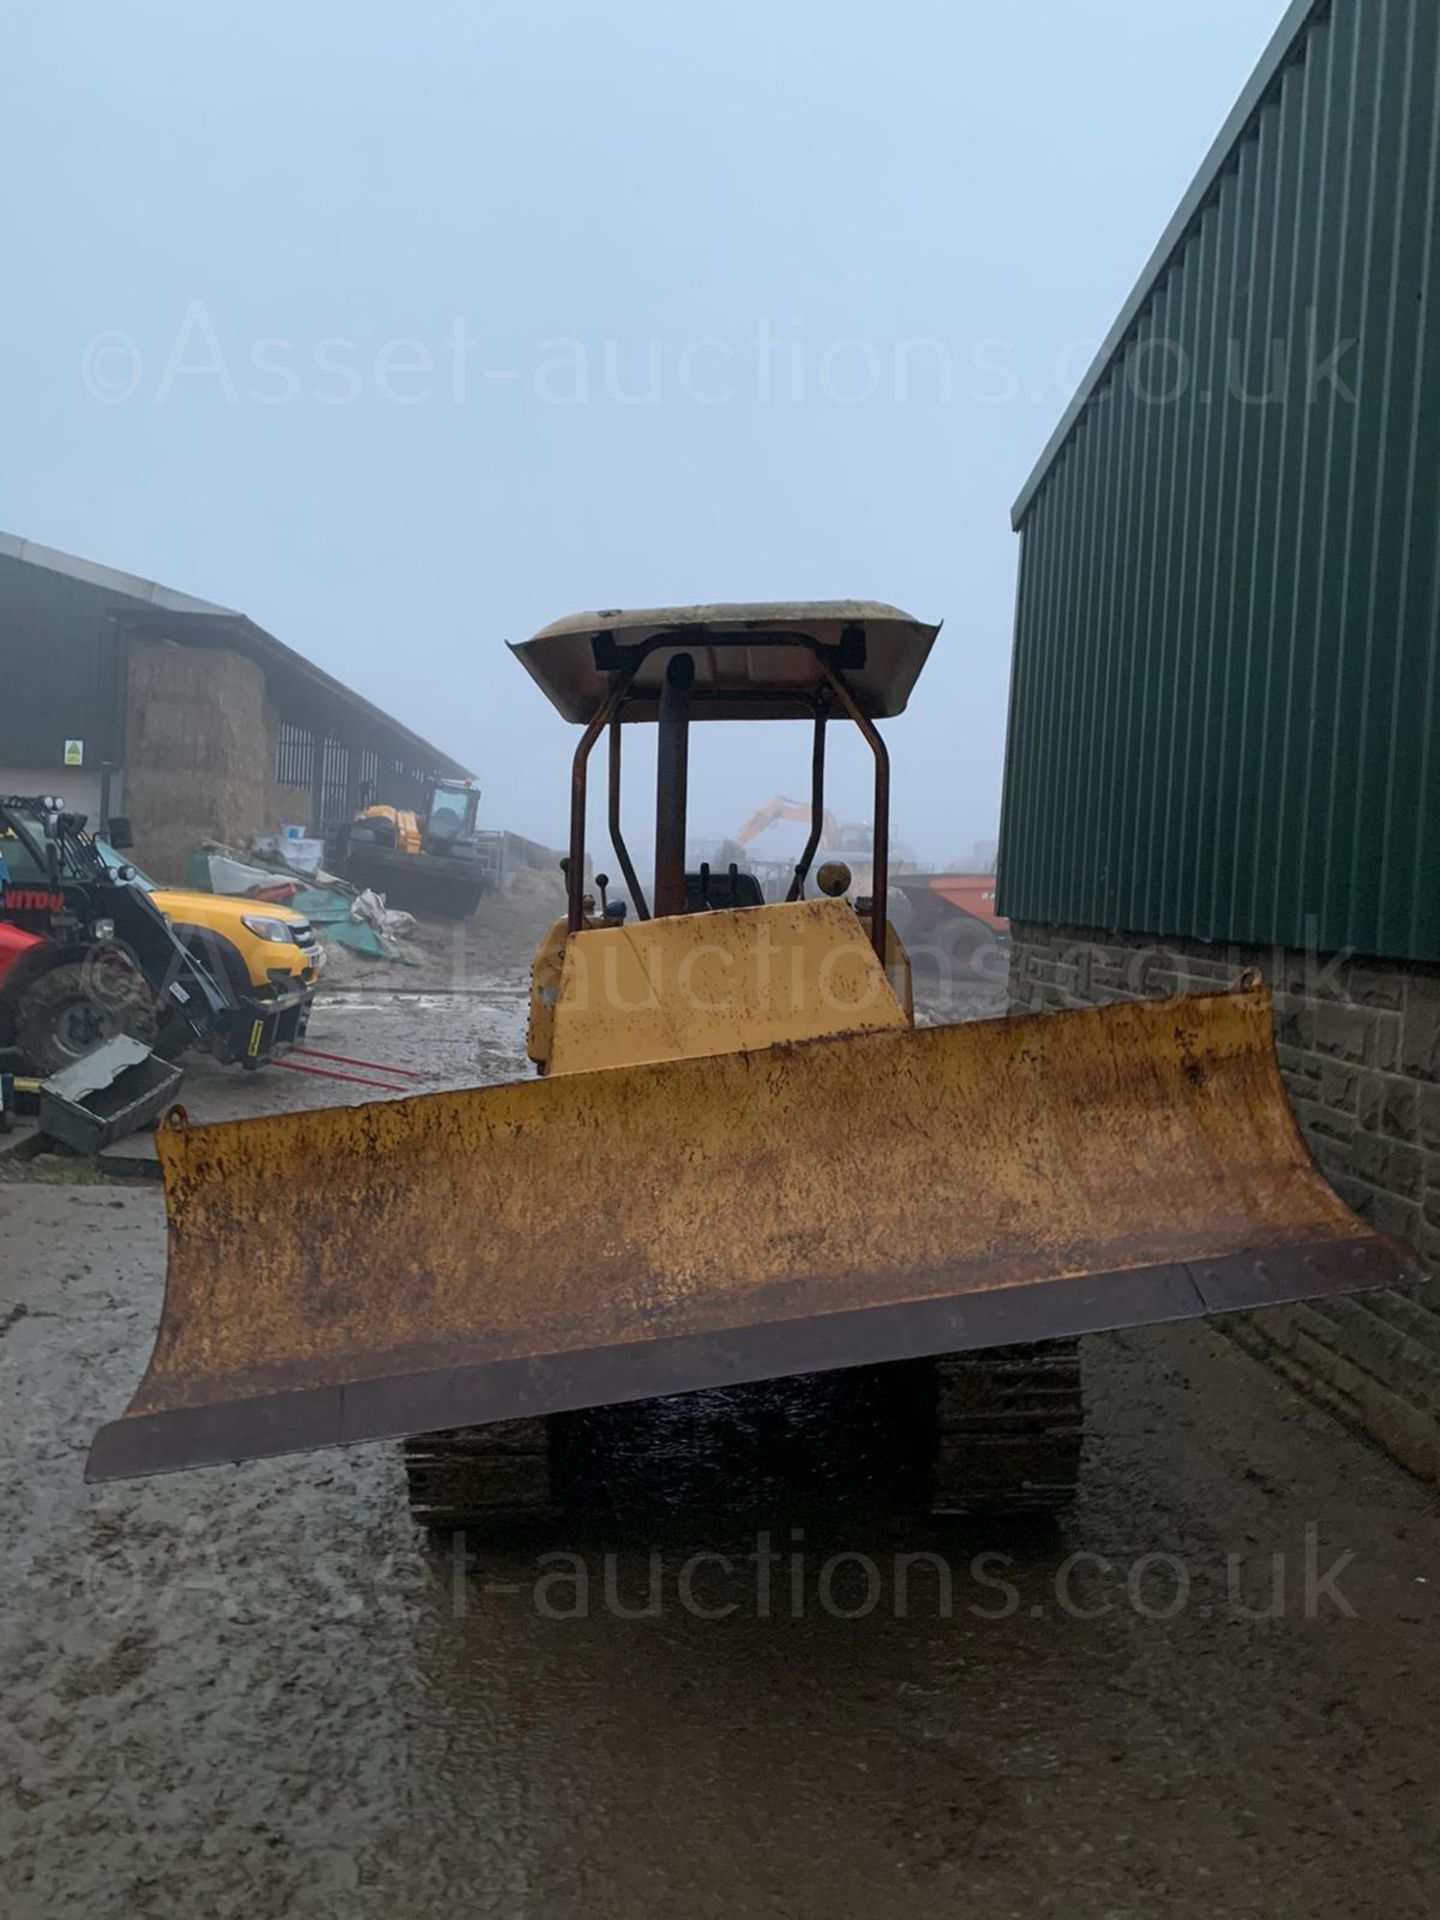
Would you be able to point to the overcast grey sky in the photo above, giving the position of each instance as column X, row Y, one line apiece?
column 408, row 328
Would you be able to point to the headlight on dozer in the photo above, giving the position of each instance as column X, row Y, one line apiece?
column 264, row 927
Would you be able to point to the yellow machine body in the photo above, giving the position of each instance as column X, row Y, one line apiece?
column 740, row 1159
column 706, row 983
column 406, row 823
column 624, row 1231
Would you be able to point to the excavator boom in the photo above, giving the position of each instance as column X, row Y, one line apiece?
column 781, row 808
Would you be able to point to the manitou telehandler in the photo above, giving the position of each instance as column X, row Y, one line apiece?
column 91, row 949
column 740, row 1159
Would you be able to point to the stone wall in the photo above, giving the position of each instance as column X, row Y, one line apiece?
column 1359, row 1046
column 199, row 754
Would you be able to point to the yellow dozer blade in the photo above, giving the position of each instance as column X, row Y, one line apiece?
column 464, row 1257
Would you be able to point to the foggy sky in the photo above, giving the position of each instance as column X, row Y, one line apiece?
column 407, row 329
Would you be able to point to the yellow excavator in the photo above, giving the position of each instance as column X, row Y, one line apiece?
column 783, row 808
column 739, row 1159
column 854, row 837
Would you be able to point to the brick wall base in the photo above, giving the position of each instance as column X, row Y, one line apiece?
column 1359, row 1047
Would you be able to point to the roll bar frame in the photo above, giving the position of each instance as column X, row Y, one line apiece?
column 677, row 708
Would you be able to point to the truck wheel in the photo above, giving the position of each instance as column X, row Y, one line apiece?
column 75, row 1008
column 1008, row 1426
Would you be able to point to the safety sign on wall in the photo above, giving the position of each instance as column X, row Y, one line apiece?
column 74, row 753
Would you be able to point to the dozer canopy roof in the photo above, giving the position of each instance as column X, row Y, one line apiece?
column 753, row 661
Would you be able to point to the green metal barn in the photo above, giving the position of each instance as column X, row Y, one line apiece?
column 1224, row 735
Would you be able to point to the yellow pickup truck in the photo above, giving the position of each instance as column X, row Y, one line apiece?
column 268, row 956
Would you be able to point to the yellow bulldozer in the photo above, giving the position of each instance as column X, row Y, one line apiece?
column 739, row 1159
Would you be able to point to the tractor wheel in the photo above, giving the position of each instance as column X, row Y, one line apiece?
column 480, row 1478
column 74, row 1008
column 1008, row 1430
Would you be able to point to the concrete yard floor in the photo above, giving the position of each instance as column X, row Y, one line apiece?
column 439, row 1039
column 256, row 1692
column 259, row 1691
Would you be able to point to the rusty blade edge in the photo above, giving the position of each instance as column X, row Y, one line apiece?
column 394, row 1406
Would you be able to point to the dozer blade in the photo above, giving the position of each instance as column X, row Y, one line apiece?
column 462, row 1257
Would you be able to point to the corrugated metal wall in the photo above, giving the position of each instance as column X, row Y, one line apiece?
column 1225, row 713
column 59, row 667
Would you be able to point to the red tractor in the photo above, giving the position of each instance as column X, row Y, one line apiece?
column 84, row 956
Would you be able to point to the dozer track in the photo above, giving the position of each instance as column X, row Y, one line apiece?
column 1009, row 1424
column 999, row 1433
column 479, row 1477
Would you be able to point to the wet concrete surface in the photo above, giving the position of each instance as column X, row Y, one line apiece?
column 434, row 1040
column 259, row 1691
column 356, row 1036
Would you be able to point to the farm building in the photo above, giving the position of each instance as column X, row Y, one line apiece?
column 126, row 697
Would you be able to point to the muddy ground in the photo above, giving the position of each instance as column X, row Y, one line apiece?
column 259, row 1692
